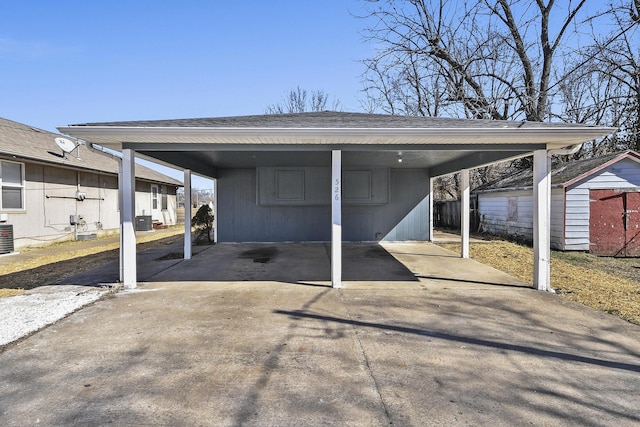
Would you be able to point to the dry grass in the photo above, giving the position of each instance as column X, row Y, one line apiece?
column 56, row 265
column 604, row 284
column 10, row 292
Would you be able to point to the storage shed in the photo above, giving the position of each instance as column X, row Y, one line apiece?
column 595, row 205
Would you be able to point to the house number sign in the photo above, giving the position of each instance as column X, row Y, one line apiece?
column 336, row 190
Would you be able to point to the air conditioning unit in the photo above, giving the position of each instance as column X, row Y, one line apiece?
column 144, row 223
column 6, row 238
column 75, row 219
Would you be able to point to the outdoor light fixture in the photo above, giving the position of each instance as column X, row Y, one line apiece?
column 399, row 156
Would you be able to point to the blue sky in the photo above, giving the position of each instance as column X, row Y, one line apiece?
column 67, row 62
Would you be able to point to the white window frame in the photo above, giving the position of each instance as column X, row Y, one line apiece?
column 21, row 186
column 154, row 198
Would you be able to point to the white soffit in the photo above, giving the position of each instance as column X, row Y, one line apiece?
column 553, row 137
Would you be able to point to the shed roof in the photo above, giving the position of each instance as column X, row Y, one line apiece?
column 23, row 142
column 562, row 174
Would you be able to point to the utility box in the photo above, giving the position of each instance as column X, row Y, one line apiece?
column 144, row 223
column 6, row 238
column 75, row 219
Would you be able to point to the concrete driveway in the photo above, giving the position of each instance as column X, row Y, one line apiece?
column 428, row 339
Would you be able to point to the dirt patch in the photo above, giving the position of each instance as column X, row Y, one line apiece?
column 607, row 284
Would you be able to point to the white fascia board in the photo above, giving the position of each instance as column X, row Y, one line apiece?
column 554, row 137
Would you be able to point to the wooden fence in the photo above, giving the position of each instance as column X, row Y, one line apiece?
column 447, row 214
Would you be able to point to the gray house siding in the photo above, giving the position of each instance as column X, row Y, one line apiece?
column 378, row 203
column 49, row 200
column 241, row 219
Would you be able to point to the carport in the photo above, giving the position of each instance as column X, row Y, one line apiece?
column 331, row 176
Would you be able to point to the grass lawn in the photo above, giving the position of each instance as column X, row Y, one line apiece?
column 607, row 284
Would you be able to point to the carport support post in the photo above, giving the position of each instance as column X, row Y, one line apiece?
column 187, row 214
column 336, row 218
column 215, row 210
column 464, row 213
column 128, row 237
column 541, row 221
column 430, row 237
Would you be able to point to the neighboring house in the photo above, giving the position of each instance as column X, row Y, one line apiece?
column 595, row 205
column 42, row 187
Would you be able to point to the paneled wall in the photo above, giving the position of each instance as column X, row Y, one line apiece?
column 293, row 204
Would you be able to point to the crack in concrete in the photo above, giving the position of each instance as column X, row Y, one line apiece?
column 366, row 361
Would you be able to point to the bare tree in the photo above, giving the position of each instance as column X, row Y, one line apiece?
column 618, row 62
column 480, row 59
column 297, row 101
column 634, row 11
column 603, row 87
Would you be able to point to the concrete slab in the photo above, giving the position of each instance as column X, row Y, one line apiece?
column 255, row 353
column 458, row 344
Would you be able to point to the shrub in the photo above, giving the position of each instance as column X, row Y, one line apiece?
column 203, row 223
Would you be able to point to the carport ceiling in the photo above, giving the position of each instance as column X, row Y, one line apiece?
column 257, row 158
column 306, row 139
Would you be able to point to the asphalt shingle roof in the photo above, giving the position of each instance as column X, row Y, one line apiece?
column 561, row 173
column 22, row 142
column 330, row 119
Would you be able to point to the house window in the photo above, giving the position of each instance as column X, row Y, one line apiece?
column 512, row 208
column 154, row 197
column 163, row 200
column 12, row 183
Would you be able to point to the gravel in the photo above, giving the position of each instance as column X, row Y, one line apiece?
column 27, row 313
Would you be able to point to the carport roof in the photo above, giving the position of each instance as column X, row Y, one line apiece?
column 451, row 144
column 328, row 119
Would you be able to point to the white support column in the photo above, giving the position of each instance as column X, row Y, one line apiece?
column 464, row 213
column 215, row 211
column 336, row 218
column 430, row 231
column 541, row 221
column 187, row 214
column 127, row 211
column 120, row 250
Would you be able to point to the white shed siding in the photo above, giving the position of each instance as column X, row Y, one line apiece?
column 494, row 208
column 569, row 210
column 622, row 174
column 557, row 218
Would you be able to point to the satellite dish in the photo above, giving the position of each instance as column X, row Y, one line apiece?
column 65, row 144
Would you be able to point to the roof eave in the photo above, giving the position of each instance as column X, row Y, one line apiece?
column 553, row 137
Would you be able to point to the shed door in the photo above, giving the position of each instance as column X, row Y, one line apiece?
column 614, row 223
